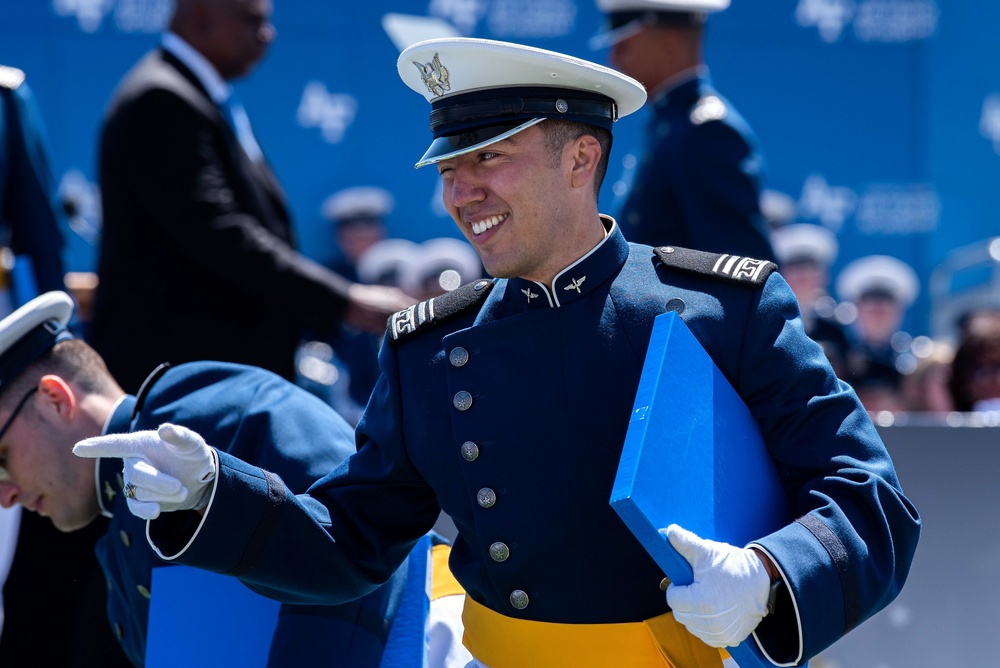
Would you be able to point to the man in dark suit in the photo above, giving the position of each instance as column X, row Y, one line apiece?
column 699, row 177
column 197, row 233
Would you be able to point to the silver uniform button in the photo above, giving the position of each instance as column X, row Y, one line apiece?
column 676, row 305
column 499, row 551
column 462, row 400
column 143, row 591
column 486, row 497
column 470, row 451
column 126, row 539
column 458, row 356
column 519, row 599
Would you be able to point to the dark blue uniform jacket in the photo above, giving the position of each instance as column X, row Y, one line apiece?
column 510, row 415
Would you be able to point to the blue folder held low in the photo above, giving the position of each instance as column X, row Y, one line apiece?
column 207, row 619
column 694, row 456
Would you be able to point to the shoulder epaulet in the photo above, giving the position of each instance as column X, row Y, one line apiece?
column 708, row 108
column 10, row 77
column 717, row 265
column 436, row 310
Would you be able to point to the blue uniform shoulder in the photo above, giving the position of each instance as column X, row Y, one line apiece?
column 425, row 315
column 721, row 266
column 10, row 77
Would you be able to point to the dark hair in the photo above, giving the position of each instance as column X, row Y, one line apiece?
column 559, row 132
column 74, row 361
column 982, row 336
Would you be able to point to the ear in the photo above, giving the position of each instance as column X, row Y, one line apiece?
column 585, row 153
column 58, row 398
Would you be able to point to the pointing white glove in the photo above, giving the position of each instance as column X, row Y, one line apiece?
column 728, row 596
column 164, row 470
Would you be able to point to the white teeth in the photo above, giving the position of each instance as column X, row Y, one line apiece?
column 483, row 225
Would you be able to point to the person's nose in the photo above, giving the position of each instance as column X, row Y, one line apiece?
column 463, row 190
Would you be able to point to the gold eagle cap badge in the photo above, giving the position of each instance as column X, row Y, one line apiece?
column 434, row 75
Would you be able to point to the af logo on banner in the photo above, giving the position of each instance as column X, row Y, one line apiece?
column 873, row 20
column 332, row 113
column 509, row 19
column 130, row 16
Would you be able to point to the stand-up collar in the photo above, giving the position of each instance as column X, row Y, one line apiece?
column 578, row 279
column 109, row 469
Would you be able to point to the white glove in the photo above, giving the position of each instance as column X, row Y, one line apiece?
column 728, row 596
column 164, row 470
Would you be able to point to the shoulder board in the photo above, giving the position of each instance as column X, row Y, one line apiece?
column 708, row 108
column 10, row 77
column 716, row 265
column 421, row 317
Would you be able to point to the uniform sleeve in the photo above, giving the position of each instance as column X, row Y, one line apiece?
column 337, row 542
column 848, row 553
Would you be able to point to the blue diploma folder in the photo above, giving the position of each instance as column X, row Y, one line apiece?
column 207, row 619
column 694, row 456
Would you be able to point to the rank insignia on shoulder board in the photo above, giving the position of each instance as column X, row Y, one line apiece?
column 717, row 265
column 419, row 317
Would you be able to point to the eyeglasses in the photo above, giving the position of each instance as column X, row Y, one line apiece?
column 6, row 425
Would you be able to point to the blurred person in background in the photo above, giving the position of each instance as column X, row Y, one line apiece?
column 342, row 370
column 805, row 253
column 29, row 216
column 342, row 367
column 442, row 265
column 357, row 215
column 975, row 369
column 700, row 174
column 197, row 237
column 881, row 288
column 926, row 389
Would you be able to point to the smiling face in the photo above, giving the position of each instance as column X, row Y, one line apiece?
column 39, row 469
column 528, row 211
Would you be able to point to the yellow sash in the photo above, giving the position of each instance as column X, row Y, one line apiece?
column 443, row 583
column 500, row 641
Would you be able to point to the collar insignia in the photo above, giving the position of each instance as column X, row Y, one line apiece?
column 434, row 75
column 575, row 285
column 109, row 492
column 529, row 294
